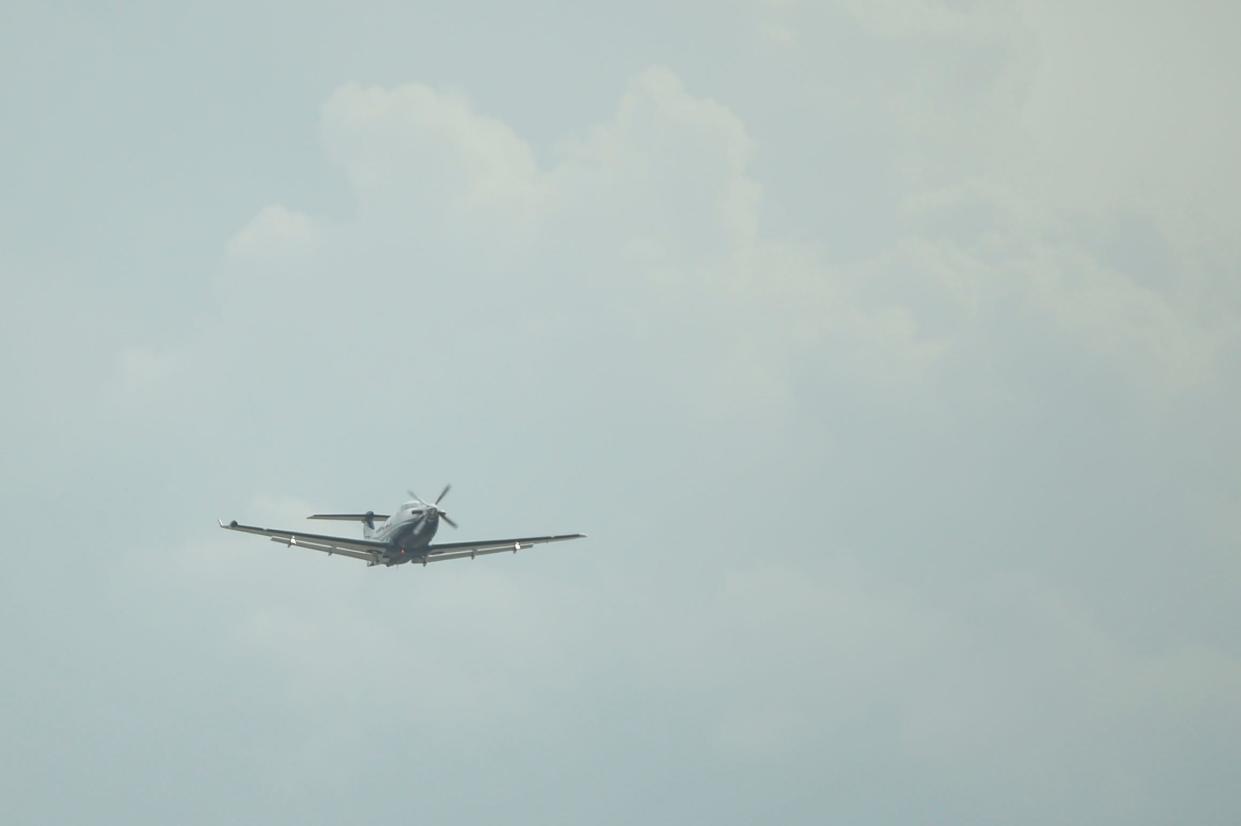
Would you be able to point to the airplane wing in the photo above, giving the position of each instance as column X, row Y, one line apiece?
column 459, row 550
column 367, row 549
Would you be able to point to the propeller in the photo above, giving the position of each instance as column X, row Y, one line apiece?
column 436, row 505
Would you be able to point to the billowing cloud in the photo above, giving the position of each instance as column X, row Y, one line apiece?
column 656, row 206
column 894, row 390
column 139, row 367
column 276, row 231
column 414, row 146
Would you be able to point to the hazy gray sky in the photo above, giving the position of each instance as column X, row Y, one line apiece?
column 889, row 352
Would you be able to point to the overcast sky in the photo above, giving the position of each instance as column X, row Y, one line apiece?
column 889, row 352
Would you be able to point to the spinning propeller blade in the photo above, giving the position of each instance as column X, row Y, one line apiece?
column 436, row 505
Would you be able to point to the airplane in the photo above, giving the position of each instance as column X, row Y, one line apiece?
column 403, row 537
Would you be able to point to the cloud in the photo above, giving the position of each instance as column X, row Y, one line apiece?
column 661, row 196
column 657, row 206
column 930, row 18
column 636, row 260
column 900, row 449
column 779, row 35
column 275, row 232
column 985, row 700
column 1033, row 132
column 413, row 146
column 139, row 367
column 1129, row 117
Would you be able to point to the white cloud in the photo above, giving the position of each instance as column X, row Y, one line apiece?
column 651, row 220
column 662, row 195
column 415, row 146
column 859, row 293
column 1131, row 325
column 780, row 35
column 1130, row 116
column 667, row 167
column 140, row 367
column 1033, row 127
column 276, row 231
column 644, row 248
column 938, row 18
column 1000, row 686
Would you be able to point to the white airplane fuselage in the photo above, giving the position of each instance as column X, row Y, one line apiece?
column 408, row 532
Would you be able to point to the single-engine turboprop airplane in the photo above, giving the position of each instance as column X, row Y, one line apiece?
column 405, row 536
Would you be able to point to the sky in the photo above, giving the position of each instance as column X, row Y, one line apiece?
column 888, row 352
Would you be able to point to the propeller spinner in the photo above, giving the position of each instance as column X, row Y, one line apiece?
column 436, row 505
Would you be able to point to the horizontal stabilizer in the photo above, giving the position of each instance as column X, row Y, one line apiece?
column 368, row 517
